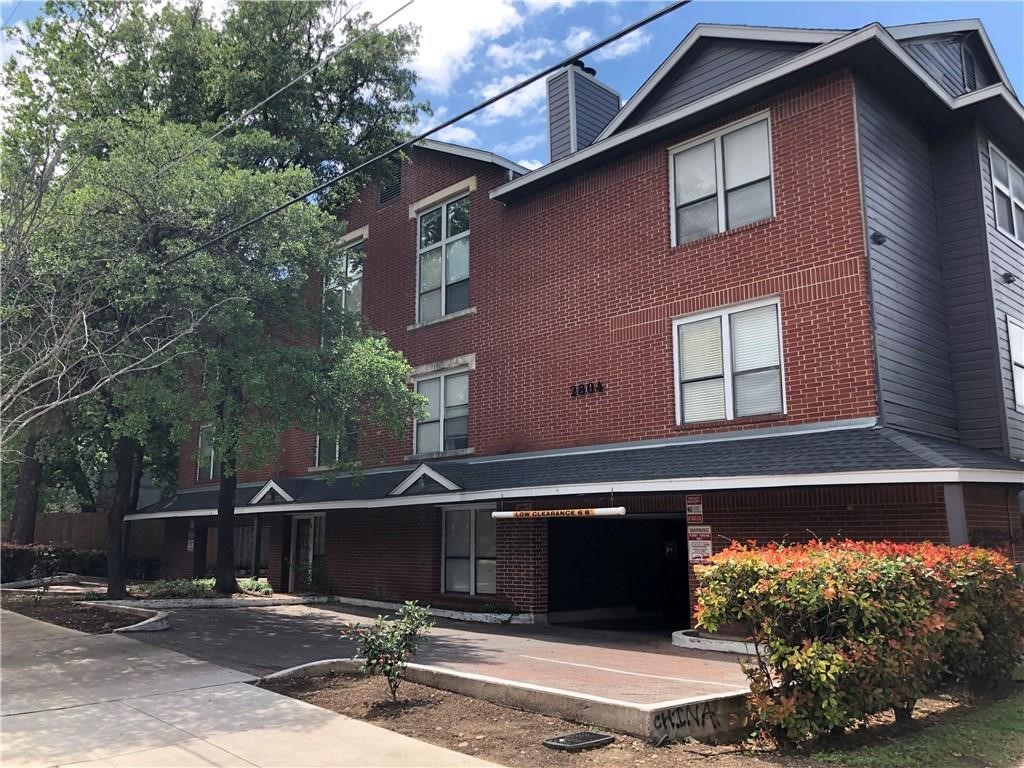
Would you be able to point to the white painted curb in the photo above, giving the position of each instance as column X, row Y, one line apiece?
column 225, row 602
column 443, row 613
column 317, row 668
column 688, row 638
column 58, row 580
column 154, row 621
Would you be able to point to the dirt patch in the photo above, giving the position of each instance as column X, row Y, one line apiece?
column 501, row 734
column 67, row 612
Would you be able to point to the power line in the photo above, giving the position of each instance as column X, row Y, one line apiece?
column 440, row 126
column 10, row 15
column 327, row 59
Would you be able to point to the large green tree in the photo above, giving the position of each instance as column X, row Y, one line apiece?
column 111, row 188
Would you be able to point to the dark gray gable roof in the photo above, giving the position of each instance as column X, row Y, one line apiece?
column 813, row 453
column 711, row 65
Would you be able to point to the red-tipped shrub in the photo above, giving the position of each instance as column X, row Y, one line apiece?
column 845, row 629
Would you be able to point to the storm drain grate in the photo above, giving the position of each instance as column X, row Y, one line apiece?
column 576, row 742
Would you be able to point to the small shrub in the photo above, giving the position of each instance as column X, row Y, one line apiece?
column 847, row 629
column 256, row 586
column 387, row 644
column 170, row 589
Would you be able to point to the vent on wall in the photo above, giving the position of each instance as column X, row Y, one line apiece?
column 970, row 71
column 390, row 184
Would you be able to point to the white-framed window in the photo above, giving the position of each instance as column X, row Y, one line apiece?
column 722, row 180
column 207, row 466
column 442, row 259
column 350, row 289
column 1008, row 194
column 445, row 427
column 1015, row 331
column 728, row 363
column 469, row 551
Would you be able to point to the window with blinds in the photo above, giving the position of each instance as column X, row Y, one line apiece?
column 722, row 180
column 729, row 364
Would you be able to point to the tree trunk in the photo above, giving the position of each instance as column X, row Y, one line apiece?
column 26, row 495
column 226, row 583
column 127, row 457
column 81, row 484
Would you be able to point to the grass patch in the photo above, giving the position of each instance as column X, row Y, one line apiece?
column 197, row 588
column 989, row 735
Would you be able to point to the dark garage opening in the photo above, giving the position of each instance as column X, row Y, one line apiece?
column 623, row 573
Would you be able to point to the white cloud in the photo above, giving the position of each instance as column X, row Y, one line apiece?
column 524, row 144
column 520, row 54
column 450, row 32
column 457, row 134
column 531, row 164
column 518, row 104
column 578, row 37
column 624, row 46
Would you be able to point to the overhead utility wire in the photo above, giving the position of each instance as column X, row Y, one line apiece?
column 327, row 59
column 440, row 126
column 14, row 10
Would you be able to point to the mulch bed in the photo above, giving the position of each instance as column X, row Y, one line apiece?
column 64, row 611
column 501, row 734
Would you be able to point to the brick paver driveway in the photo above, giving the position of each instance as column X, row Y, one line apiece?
column 642, row 668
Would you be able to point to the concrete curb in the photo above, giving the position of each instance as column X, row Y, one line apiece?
column 441, row 613
column 154, row 621
column 225, row 602
column 718, row 718
column 688, row 638
column 58, row 580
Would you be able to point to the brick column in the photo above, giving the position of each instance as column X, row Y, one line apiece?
column 522, row 567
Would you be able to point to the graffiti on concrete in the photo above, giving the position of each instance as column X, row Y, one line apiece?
column 686, row 717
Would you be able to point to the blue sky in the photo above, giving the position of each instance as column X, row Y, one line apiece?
column 472, row 49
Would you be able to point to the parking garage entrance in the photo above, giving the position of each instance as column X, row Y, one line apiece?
column 619, row 572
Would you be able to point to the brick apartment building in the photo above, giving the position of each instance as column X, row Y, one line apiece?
column 782, row 286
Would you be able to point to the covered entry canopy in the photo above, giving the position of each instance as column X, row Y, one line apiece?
column 844, row 453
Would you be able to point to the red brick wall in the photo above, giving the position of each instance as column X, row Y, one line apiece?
column 580, row 283
column 176, row 561
column 277, row 551
column 522, row 568
column 384, row 554
column 994, row 518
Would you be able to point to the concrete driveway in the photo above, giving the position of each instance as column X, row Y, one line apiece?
column 72, row 699
column 632, row 667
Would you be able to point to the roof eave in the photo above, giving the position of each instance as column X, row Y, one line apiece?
column 816, row 57
column 473, row 154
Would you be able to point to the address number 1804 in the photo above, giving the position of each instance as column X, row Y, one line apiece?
column 588, row 388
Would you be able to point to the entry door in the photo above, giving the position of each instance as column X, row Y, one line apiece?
column 307, row 551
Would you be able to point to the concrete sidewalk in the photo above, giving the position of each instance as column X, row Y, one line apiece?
column 73, row 699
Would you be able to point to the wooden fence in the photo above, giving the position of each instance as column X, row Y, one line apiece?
column 89, row 531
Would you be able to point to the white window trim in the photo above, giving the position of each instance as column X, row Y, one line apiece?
column 199, row 456
column 458, row 189
column 291, row 549
column 472, row 546
column 1007, row 190
column 443, row 374
column 716, row 136
column 443, row 244
column 318, row 464
column 723, row 313
column 1014, row 364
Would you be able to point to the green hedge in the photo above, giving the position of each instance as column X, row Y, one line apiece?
column 27, row 561
column 846, row 629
